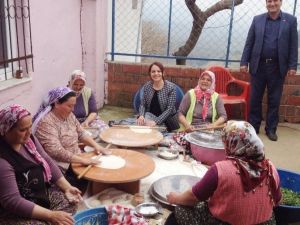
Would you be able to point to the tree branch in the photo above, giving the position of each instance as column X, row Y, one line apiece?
column 199, row 21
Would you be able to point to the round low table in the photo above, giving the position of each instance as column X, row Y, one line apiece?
column 127, row 178
column 127, row 137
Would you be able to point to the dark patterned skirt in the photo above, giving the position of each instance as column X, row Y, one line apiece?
column 58, row 202
column 200, row 215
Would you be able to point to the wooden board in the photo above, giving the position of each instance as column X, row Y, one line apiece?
column 138, row 165
column 127, row 137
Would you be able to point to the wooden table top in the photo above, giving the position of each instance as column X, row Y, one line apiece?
column 129, row 138
column 138, row 165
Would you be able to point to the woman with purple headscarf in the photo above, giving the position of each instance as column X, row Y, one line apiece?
column 59, row 132
column 33, row 189
column 241, row 190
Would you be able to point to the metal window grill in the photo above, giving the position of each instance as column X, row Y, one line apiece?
column 15, row 38
column 159, row 28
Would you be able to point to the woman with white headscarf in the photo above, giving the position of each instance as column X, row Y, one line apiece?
column 59, row 132
column 33, row 189
column 85, row 108
column 202, row 105
column 241, row 190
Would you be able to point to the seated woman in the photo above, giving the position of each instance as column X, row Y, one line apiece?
column 85, row 108
column 202, row 105
column 241, row 190
column 59, row 132
column 33, row 190
column 159, row 98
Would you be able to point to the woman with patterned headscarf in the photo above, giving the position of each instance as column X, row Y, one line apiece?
column 202, row 105
column 241, row 190
column 85, row 108
column 33, row 189
column 59, row 132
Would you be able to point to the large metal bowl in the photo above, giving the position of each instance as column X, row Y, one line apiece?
column 207, row 148
column 174, row 183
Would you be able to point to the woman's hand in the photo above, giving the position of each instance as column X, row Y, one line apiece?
column 189, row 129
column 140, row 121
column 85, row 124
column 61, row 218
column 150, row 123
column 101, row 150
column 172, row 198
column 89, row 161
column 73, row 194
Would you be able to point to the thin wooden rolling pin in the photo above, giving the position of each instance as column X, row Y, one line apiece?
column 89, row 166
column 138, row 127
column 210, row 128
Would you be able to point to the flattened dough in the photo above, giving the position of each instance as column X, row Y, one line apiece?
column 141, row 130
column 110, row 162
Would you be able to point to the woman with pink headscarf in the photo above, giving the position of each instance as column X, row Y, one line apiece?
column 241, row 190
column 202, row 105
column 85, row 108
column 33, row 190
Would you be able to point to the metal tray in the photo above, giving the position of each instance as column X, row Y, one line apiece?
column 166, row 153
column 148, row 209
column 175, row 183
column 207, row 140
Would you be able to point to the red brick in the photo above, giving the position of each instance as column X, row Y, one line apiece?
column 132, row 68
column 110, row 68
column 282, row 110
column 117, row 67
column 173, row 71
column 293, row 119
column 290, row 111
column 191, row 72
column 145, row 69
column 293, row 100
column 294, row 80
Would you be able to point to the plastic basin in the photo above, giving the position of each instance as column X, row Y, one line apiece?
column 288, row 214
column 207, row 155
column 96, row 216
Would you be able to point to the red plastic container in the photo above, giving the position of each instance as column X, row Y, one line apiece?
column 206, row 148
column 206, row 155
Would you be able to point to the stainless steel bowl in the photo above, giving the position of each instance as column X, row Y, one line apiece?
column 174, row 183
column 148, row 209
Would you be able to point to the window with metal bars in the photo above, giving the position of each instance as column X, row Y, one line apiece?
column 16, row 57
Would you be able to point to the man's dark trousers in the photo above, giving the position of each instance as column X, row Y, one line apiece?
column 268, row 75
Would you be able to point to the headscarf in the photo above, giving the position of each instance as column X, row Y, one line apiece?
column 10, row 116
column 244, row 147
column 77, row 75
column 205, row 95
column 52, row 96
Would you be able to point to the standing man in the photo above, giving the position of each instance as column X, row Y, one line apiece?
column 271, row 51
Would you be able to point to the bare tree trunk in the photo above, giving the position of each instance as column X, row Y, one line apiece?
column 199, row 19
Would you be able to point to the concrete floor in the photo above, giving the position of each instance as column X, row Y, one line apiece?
column 284, row 153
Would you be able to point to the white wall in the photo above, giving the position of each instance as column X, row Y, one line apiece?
column 57, row 49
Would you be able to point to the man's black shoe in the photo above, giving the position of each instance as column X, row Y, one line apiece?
column 272, row 136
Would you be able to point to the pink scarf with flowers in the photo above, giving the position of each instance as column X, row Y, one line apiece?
column 205, row 96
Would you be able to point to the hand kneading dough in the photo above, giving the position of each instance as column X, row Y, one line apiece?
column 110, row 162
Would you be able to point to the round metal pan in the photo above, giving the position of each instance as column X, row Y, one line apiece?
column 175, row 183
column 204, row 139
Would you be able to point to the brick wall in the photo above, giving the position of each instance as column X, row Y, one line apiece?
column 124, row 79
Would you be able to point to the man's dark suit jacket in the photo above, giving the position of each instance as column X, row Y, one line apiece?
column 287, row 43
